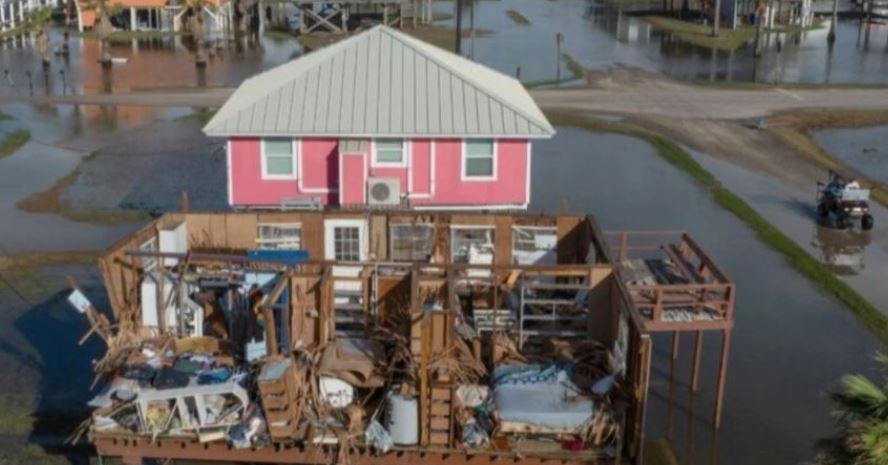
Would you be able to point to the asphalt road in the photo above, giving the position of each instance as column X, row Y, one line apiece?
column 677, row 101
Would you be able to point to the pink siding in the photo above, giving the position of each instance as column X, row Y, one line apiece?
column 440, row 184
column 319, row 171
column 508, row 188
column 353, row 179
column 420, row 166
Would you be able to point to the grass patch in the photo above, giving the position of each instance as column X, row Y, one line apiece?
column 574, row 68
column 867, row 314
column 517, row 18
column 278, row 35
column 701, row 35
column 818, row 23
column 794, row 129
column 5, row 116
column 440, row 36
column 14, row 141
column 126, row 36
column 51, row 201
column 31, row 261
column 203, row 116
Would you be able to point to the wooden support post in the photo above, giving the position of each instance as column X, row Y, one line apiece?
column 271, row 341
column 698, row 351
column 675, row 340
column 722, row 375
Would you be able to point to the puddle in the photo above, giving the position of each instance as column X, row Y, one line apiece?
column 791, row 343
column 601, row 38
column 863, row 149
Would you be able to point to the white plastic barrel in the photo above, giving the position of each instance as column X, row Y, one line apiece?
column 403, row 420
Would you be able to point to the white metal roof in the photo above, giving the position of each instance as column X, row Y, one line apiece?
column 381, row 83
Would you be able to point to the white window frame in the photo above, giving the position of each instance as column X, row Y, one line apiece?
column 261, row 243
column 392, row 238
column 405, row 152
column 462, row 227
column 295, row 151
column 467, row 177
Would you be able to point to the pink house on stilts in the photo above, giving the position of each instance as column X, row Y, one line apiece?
column 381, row 118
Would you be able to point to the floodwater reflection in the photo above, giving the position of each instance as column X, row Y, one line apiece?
column 159, row 62
column 842, row 251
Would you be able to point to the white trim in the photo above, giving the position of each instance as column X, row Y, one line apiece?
column 471, row 207
column 228, row 170
column 300, row 181
column 341, row 170
column 428, row 194
column 462, row 163
column 260, row 242
column 329, row 237
column 295, row 149
column 527, row 178
column 324, row 135
column 405, row 154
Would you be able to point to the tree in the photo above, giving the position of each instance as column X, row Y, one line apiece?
column 104, row 10
column 861, row 412
column 196, row 25
column 39, row 21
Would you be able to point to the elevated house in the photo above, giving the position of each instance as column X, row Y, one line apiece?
column 381, row 119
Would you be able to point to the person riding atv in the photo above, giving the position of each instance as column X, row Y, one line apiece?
column 845, row 199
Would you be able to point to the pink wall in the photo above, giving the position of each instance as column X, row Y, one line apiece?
column 320, row 171
column 354, row 181
column 508, row 188
column 438, row 185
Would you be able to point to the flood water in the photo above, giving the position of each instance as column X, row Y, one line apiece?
column 602, row 38
column 151, row 63
column 791, row 343
column 864, row 149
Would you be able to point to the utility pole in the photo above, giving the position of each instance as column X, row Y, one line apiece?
column 716, row 18
column 831, row 37
column 458, row 46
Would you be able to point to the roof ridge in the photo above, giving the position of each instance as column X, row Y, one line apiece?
column 490, row 93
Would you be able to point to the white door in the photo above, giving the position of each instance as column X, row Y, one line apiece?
column 346, row 241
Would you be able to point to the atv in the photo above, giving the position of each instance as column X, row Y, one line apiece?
column 845, row 200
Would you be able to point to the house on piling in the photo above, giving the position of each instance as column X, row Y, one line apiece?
column 380, row 119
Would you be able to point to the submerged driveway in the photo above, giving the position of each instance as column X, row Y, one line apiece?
column 673, row 100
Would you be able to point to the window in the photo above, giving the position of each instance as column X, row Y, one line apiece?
column 534, row 245
column 472, row 244
column 149, row 263
column 347, row 244
column 279, row 236
column 412, row 242
column 279, row 158
column 478, row 159
column 389, row 152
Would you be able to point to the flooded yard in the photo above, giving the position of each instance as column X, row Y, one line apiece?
column 601, row 38
column 781, row 364
column 864, row 149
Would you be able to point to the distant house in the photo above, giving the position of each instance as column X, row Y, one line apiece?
column 382, row 119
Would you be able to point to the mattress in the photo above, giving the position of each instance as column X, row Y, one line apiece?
column 541, row 397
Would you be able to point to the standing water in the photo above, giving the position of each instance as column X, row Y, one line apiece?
column 791, row 343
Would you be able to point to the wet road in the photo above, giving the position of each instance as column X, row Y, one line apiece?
column 675, row 101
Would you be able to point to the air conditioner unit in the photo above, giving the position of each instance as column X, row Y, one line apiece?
column 384, row 191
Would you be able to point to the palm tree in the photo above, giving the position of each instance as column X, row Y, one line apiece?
column 39, row 20
column 861, row 411
column 104, row 10
column 196, row 25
